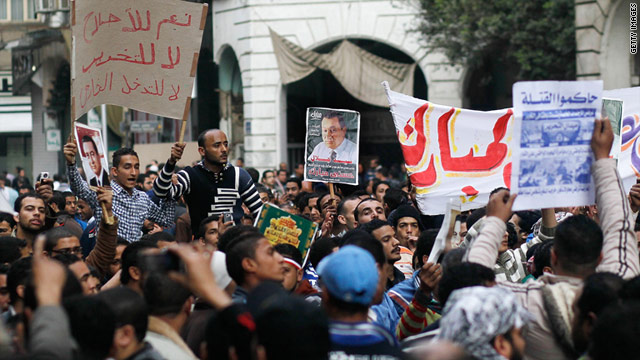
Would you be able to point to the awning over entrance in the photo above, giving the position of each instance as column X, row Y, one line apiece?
column 15, row 114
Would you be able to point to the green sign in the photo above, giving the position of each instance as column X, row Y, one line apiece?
column 280, row 227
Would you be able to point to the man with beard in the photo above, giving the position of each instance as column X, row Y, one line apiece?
column 29, row 219
column 486, row 322
column 382, row 231
column 213, row 186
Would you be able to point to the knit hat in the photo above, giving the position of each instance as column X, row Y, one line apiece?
column 404, row 211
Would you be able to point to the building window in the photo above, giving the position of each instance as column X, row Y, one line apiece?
column 17, row 10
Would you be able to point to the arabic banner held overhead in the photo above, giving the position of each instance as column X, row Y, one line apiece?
column 553, row 129
column 141, row 54
column 451, row 152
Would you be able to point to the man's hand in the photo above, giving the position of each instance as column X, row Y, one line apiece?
column 430, row 275
column 44, row 188
column 70, row 150
column 329, row 217
column 634, row 197
column 48, row 276
column 223, row 226
column 500, row 205
column 105, row 195
column 602, row 139
column 199, row 278
column 176, row 153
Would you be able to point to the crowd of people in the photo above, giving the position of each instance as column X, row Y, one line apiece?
column 166, row 264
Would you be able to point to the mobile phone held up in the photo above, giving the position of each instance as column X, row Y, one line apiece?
column 226, row 217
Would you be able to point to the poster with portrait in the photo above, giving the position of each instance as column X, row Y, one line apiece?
column 331, row 153
column 93, row 155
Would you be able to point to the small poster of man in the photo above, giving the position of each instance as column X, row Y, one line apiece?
column 612, row 108
column 92, row 153
column 332, row 146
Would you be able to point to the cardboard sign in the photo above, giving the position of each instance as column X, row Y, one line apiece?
column 280, row 227
column 331, row 154
column 139, row 54
column 93, row 155
column 451, row 152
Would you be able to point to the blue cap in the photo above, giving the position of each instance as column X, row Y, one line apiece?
column 350, row 274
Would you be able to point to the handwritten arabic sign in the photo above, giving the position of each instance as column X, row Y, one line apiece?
column 629, row 158
column 332, row 146
column 552, row 156
column 141, row 54
column 451, row 152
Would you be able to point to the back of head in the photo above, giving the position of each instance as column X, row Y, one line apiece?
column 128, row 308
column 68, row 223
column 578, row 245
column 542, row 258
column 616, row 333
column 631, row 289
column 160, row 236
column 598, row 291
column 373, row 225
column 92, row 325
column 365, row 241
column 58, row 199
column 163, row 295
column 10, row 249
column 475, row 215
column 130, row 258
column 321, row 248
column 463, row 275
column 394, row 198
column 232, row 234
column 255, row 175
column 18, row 275
column 237, row 250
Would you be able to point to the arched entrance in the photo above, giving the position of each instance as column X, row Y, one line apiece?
column 321, row 89
column 231, row 101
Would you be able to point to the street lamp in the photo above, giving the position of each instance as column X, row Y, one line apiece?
column 55, row 13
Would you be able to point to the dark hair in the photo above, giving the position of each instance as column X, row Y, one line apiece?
column 18, row 204
column 8, row 218
column 365, row 241
column 424, row 245
column 527, row 219
column 163, row 295
column 67, row 194
column 233, row 233
column 18, row 274
column 303, row 198
column 616, row 333
column 237, row 250
column 463, row 275
column 320, row 248
column 542, row 258
column 324, row 195
column 87, row 138
column 66, row 259
column 512, row 238
column 255, row 175
column 497, row 190
column 578, row 245
column 118, row 154
column 92, row 325
column 383, row 171
column 130, row 258
column 203, row 224
column 141, row 178
column 373, row 225
column 294, row 180
column 10, row 249
column 355, row 210
column 70, row 288
column 475, row 215
column 394, row 198
column 598, row 291
column 337, row 115
column 377, row 183
column 341, row 210
column 53, row 236
column 122, row 241
column 280, row 170
column 128, row 308
column 631, row 289
column 160, row 236
column 261, row 188
column 264, row 173
column 289, row 251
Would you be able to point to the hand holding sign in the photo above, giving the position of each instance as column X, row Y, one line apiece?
column 602, row 139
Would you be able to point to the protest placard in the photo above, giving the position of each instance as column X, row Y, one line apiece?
column 612, row 109
column 552, row 136
column 629, row 158
column 139, row 54
column 92, row 154
column 451, row 152
column 331, row 153
column 280, row 227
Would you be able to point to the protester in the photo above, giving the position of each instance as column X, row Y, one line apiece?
column 7, row 224
column 30, row 209
column 292, row 266
column 383, row 232
column 367, row 210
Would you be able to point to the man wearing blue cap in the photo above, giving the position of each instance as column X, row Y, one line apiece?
column 348, row 279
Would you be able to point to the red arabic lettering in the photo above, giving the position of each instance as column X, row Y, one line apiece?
column 175, row 93
column 173, row 19
column 97, row 20
column 171, row 63
column 414, row 153
column 94, row 89
column 130, row 89
column 136, row 59
column 496, row 151
column 148, row 90
column 136, row 24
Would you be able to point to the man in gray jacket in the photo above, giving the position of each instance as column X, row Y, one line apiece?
column 581, row 247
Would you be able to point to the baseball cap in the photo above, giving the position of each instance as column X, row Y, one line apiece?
column 350, row 274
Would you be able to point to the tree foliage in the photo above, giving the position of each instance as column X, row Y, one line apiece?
column 538, row 36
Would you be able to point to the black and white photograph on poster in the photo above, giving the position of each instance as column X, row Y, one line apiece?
column 332, row 146
column 92, row 154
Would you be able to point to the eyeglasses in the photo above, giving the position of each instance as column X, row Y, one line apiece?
column 73, row 250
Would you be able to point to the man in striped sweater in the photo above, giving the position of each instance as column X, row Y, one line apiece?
column 213, row 186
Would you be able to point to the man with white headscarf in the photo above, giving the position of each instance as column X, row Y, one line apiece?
column 486, row 322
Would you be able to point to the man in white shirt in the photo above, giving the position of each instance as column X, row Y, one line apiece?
column 335, row 146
